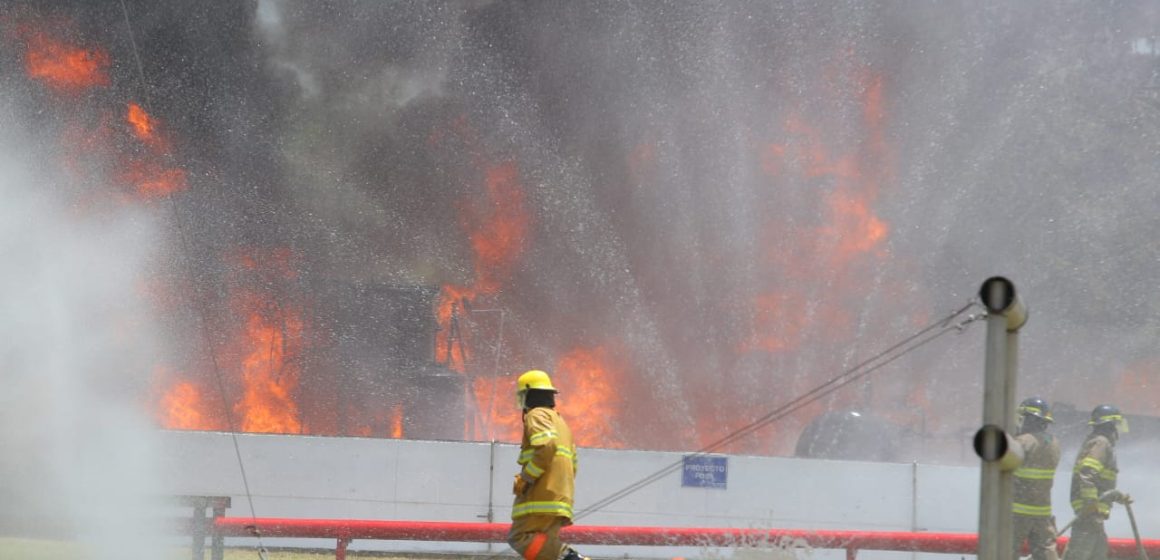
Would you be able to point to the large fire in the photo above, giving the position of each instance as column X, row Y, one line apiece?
column 267, row 328
column 262, row 356
column 268, row 348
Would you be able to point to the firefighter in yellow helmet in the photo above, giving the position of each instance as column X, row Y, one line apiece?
column 544, row 485
column 1093, row 485
column 1033, row 480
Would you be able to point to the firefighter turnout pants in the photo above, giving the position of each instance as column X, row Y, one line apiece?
column 1088, row 540
column 1039, row 532
column 537, row 537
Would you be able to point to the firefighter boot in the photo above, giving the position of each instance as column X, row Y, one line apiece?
column 571, row 554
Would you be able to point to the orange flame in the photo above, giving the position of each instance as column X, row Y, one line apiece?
column 64, row 67
column 834, row 252
column 270, row 345
column 589, row 402
column 851, row 227
column 452, row 352
column 182, row 408
column 397, row 421
column 586, row 378
column 269, row 376
column 151, row 175
column 502, row 418
column 153, row 179
column 146, row 128
column 497, row 225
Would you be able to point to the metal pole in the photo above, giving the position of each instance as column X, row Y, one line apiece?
column 199, row 529
column 1000, row 453
column 1007, row 479
column 990, row 496
column 218, row 549
column 914, row 501
column 491, row 489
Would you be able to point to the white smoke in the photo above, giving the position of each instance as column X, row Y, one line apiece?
column 75, row 442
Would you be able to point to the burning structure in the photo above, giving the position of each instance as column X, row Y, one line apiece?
column 688, row 226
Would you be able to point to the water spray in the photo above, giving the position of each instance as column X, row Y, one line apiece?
column 909, row 344
column 184, row 239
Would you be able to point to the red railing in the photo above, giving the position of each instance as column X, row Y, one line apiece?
column 346, row 530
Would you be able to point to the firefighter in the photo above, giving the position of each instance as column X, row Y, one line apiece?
column 544, row 486
column 1032, row 504
column 1093, row 485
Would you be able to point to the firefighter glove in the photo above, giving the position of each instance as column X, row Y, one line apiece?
column 1116, row 496
column 521, row 485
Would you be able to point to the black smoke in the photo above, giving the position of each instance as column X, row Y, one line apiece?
column 1021, row 141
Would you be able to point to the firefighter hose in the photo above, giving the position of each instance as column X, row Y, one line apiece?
column 1136, row 532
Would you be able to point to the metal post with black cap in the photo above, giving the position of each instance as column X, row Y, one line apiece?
column 994, row 444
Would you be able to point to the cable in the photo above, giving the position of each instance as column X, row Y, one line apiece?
column 199, row 302
column 851, row 375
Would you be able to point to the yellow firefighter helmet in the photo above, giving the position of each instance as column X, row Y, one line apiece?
column 532, row 379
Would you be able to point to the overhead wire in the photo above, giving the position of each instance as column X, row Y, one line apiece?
column 199, row 302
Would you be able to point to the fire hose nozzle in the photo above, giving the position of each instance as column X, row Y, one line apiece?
column 999, row 297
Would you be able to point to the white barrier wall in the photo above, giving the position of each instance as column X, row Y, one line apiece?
column 357, row 478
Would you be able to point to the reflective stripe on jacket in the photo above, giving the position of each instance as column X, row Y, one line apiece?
column 1033, row 480
column 1094, row 473
column 549, row 457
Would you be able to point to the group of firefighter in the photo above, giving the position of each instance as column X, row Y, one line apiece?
column 544, row 486
column 1093, row 483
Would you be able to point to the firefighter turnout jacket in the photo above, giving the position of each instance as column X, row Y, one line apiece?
column 1094, row 473
column 548, row 457
column 1033, row 480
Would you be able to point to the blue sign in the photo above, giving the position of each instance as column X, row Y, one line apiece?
column 705, row 471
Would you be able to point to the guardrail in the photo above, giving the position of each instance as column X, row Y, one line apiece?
column 346, row 530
